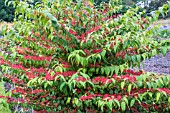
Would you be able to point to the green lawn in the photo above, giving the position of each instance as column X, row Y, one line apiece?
column 3, row 105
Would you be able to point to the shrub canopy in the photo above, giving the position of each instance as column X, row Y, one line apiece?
column 65, row 56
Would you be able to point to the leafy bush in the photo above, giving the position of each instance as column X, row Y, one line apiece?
column 165, row 33
column 69, row 56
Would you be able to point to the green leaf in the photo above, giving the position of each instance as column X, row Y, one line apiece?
column 150, row 94
column 107, row 70
column 45, row 85
column 158, row 96
column 134, row 59
column 62, row 85
column 148, row 84
column 76, row 101
column 154, row 52
column 103, row 53
column 121, row 68
column 129, row 88
column 117, row 102
column 140, row 97
column 109, row 104
column 164, row 50
column 122, row 85
column 116, row 68
column 154, row 85
column 84, row 75
column 132, row 102
column 138, row 58
column 78, row 58
column 68, row 100
column 126, row 100
column 100, row 103
column 123, row 106
column 144, row 55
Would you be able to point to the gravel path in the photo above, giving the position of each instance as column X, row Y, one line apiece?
column 158, row 64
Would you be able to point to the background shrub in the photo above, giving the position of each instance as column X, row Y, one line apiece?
column 6, row 12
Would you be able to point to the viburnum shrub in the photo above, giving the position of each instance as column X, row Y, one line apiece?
column 65, row 56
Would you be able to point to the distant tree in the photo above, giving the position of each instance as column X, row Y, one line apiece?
column 6, row 12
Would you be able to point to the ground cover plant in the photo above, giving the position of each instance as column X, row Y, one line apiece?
column 164, row 33
column 64, row 56
column 4, row 107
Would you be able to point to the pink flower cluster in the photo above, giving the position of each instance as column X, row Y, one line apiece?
column 107, row 97
column 81, row 79
column 42, row 44
column 90, row 96
column 102, row 80
column 38, row 70
column 65, row 74
column 66, row 65
column 97, row 50
column 14, row 79
column 125, row 77
column 38, row 58
column 132, row 72
column 73, row 23
column 112, row 17
column 19, row 90
column 68, row 73
column 31, row 75
column 15, row 100
column 98, row 64
column 34, row 72
column 82, row 36
column 2, row 61
column 18, row 66
column 36, row 91
column 121, row 54
column 167, row 90
column 111, row 97
column 135, row 92
column 22, row 50
column 72, row 32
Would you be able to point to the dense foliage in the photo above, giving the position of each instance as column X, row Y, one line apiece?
column 6, row 12
column 165, row 33
column 69, row 56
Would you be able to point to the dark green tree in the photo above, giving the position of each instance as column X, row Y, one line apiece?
column 6, row 12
